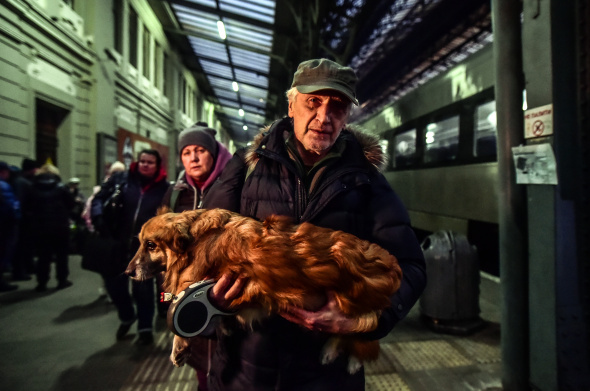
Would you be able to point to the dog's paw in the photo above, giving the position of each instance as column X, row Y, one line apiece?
column 180, row 351
column 354, row 365
column 178, row 360
column 331, row 350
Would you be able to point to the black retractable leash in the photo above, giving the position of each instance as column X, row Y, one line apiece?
column 191, row 312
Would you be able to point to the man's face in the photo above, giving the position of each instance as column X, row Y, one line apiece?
column 147, row 165
column 197, row 162
column 318, row 119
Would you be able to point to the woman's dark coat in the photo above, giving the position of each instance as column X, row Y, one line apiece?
column 141, row 200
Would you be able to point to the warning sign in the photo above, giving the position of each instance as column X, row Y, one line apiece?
column 538, row 121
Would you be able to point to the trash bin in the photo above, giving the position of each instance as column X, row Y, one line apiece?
column 450, row 302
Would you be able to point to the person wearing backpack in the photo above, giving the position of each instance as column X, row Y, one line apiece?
column 123, row 204
column 203, row 159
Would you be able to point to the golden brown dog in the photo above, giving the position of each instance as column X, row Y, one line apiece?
column 285, row 265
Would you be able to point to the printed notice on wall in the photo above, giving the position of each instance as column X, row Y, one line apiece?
column 535, row 164
column 538, row 122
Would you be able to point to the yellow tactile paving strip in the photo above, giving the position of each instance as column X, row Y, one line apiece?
column 481, row 352
column 420, row 355
column 385, row 382
column 156, row 373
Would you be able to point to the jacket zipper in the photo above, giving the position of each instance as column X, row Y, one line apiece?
column 197, row 197
column 301, row 200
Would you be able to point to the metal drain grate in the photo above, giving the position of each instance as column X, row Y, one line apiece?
column 416, row 356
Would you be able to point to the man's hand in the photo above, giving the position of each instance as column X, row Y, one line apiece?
column 328, row 319
column 225, row 290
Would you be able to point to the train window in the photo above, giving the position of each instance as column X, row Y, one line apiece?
column 484, row 139
column 442, row 140
column 404, row 153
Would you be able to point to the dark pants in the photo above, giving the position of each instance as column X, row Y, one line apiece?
column 143, row 294
column 53, row 246
column 23, row 262
column 8, row 238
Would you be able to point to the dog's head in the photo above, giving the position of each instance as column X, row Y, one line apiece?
column 166, row 242
column 159, row 244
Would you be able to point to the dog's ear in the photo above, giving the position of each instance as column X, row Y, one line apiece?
column 163, row 209
column 182, row 236
column 205, row 220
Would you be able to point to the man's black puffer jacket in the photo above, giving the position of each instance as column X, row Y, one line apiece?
column 352, row 196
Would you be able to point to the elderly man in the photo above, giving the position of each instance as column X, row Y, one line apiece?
column 313, row 167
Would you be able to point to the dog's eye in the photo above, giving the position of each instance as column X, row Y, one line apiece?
column 151, row 246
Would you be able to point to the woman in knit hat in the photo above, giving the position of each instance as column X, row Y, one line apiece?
column 203, row 159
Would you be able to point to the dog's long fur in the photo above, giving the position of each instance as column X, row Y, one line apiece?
column 285, row 265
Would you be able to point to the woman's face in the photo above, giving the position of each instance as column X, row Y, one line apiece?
column 197, row 162
column 147, row 165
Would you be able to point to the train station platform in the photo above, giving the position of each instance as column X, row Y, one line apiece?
column 64, row 340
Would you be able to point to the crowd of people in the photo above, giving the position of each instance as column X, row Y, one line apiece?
column 36, row 219
column 311, row 165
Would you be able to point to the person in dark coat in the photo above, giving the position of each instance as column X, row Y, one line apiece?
column 25, row 248
column 143, row 186
column 10, row 215
column 203, row 159
column 51, row 204
column 314, row 168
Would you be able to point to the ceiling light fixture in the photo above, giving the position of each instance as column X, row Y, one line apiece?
column 245, row 127
column 221, row 29
column 235, row 86
column 241, row 112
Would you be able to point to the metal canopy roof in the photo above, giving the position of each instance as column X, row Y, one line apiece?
column 237, row 67
column 393, row 45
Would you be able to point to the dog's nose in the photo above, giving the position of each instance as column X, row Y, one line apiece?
column 130, row 272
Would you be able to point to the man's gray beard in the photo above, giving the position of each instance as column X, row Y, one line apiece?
column 317, row 149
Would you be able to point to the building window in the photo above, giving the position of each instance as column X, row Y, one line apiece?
column 485, row 137
column 118, row 25
column 191, row 104
column 183, row 95
column 146, row 52
column 165, row 80
column 442, row 140
column 199, row 106
column 158, row 66
column 133, row 37
column 404, row 153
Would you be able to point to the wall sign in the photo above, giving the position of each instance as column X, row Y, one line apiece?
column 535, row 164
column 538, row 122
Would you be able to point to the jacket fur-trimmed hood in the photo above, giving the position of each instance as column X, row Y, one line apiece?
column 370, row 144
